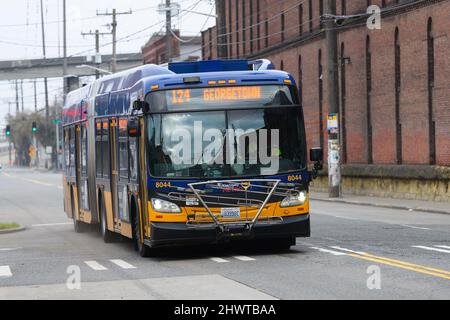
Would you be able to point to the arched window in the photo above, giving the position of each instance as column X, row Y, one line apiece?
column 397, row 97
column 320, row 79
column 300, row 80
column 310, row 11
column 431, row 122
column 244, row 26
column 343, row 104
column 369, row 100
column 282, row 65
column 300, row 19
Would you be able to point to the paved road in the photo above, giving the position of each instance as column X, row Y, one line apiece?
column 350, row 246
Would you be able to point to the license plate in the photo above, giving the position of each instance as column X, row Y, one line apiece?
column 231, row 212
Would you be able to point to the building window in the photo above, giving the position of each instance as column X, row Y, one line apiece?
column 251, row 25
column 258, row 22
column 282, row 27
column 244, row 27
column 300, row 80
column 310, row 14
column 431, row 122
column 343, row 104
column 282, row 65
column 237, row 29
column 230, row 26
column 321, row 13
column 320, row 78
column 344, row 7
column 369, row 100
column 397, row 97
column 210, row 45
column 300, row 19
column 267, row 33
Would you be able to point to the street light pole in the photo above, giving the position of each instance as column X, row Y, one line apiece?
column 334, row 162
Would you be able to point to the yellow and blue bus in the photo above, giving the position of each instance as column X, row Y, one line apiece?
column 193, row 153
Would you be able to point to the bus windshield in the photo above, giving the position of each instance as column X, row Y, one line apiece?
column 226, row 144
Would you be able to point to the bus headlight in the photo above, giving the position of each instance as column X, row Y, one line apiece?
column 294, row 200
column 163, row 206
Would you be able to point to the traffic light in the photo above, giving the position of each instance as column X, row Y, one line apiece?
column 34, row 127
column 8, row 130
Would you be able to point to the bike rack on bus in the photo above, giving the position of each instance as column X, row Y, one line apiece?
column 258, row 193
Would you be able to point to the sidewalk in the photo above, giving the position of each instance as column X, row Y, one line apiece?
column 403, row 204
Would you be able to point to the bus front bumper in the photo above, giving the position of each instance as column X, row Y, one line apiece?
column 175, row 234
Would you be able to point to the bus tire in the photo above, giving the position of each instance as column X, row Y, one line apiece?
column 144, row 250
column 78, row 226
column 108, row 236
column 285, row 244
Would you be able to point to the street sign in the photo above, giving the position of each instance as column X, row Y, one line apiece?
column 49, row 150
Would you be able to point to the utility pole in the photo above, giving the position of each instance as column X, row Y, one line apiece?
column 97, row 35
column 17, row 97
column 9, row 138
column 168, row 31
column 47, row 111
column 21, row 95
column 64, row 51
column 35, row 96
column 114, row 15
column 334, row 162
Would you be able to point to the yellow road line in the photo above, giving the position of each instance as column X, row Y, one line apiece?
column 404, row 265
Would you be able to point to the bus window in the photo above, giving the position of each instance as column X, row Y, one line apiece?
column 105, row 149
column 83, row 151
column 67, row 152
column 98, row 148
column 133, row 159
column 72, row 151
column 123, row 149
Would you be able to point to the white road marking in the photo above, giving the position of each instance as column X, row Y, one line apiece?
column 346, row 218
column 414, row 227
column 95, row 266
column 432, row 249
column 122, row 264
column 244, row 258
column 443, row 247
column 347, row 250
column 334, row 253
column 51, row 224
column 5, row 271
column 219, row 260
column 9, row 249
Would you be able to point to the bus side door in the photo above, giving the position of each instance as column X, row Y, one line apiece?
column 114, row 169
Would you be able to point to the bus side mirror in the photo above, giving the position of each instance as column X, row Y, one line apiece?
column 133, row 128
column 141, row 105
column 316, row 156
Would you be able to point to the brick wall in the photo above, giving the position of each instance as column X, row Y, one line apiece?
column 412, row 27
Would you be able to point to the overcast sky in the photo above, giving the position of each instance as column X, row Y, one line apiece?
column 21, row 37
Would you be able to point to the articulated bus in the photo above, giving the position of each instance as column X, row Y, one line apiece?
column 193, row 153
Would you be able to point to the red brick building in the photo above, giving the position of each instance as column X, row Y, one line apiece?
column 155, row 50
column 393, row 83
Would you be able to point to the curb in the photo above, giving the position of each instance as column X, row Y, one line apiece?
column 388, row 206
column 14, row 230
